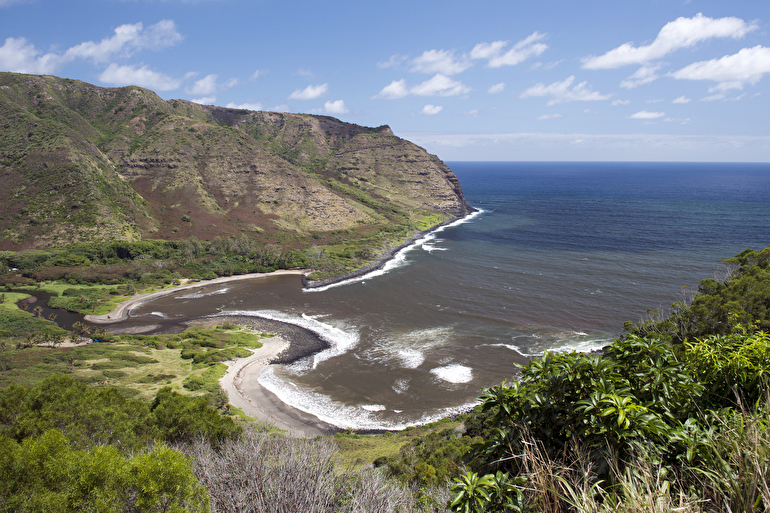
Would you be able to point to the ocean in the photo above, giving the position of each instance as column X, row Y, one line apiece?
column 558, row 256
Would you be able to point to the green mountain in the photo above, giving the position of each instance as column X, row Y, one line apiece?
column 84, row 163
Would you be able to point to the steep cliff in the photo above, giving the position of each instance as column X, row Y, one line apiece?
column 85, row 163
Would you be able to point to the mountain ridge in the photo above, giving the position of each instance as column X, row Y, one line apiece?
column 82, row 163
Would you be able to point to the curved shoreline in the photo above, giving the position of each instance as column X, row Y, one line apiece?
column 382, row 260
column 123, row 310
column 241, row 381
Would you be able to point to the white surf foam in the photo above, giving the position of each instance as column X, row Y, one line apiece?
column 399, row 259
column 341, row 339
column 454, row 373
column 200, row 293
column 565, row 342
column 373, row 407
column 360, row 417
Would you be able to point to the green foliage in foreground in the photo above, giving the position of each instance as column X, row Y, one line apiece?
column 90, row 417
column 48, row 474
column 743, row 299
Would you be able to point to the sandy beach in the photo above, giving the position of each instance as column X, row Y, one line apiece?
column 241, row 380
column 122, row 311
column 243, row 388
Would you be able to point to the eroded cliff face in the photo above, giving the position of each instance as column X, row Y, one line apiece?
column 80, row 162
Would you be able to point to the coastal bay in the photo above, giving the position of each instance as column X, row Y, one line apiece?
column 558, row 258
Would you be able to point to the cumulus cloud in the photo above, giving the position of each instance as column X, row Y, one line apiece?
column 393, row 91
column 561, row 92
column 643, row 75
column 206, row 85
column 521, row 51
column 439, row 85
column 615, row 103
column 245, row 106
column 336, row 107
column 207, row 100
column 497, row 88
column 680, row 33
column 643, row 114
column 21, row 56
column 439, row 61
column 431, row 110
column 145, row 77
column 748, row 65
column 256, row 74
column 549, row 116
column 128, row 38
column 310, row 92
column 393, row 62
column 681, row 99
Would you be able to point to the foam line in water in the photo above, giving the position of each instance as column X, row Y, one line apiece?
column 359, row 417
column 341, row 340
column 399, row 259
column 200, row 293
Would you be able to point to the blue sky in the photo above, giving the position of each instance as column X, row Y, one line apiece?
column 671, row 80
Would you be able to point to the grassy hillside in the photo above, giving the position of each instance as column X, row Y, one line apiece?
column 80, row 163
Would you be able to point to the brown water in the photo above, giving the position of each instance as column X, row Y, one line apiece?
column 562, row 255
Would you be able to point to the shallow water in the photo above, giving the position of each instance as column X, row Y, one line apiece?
column 559, row 257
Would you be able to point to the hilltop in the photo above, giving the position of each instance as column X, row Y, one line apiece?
column 81, row 163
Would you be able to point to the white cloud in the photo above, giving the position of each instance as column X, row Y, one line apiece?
column 310, row 92
column 439, row 61
column 256, row 74
column 20, row 56
column 656, row 100
column 305, row 72
column 206, row 85
column 246, row 106
column 549, row 116
column 279, row 108
column 681, row 121
column 643, row 75
column 615, row 103
column 681, row 99
column 393, row 62
column 440, row 85
column 145, row 77
column 643, row 114
column 472, row 113
column 393, row 91
column 8, row 3
column 748, row 65
column 497, row 88
column 336, row 107
column 561, row 92
column 680, row 33
column 207, row 100
column 521, row 51
column 127, row 39
column 431, row 110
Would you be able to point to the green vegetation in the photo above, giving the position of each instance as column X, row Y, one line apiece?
column 647, row 425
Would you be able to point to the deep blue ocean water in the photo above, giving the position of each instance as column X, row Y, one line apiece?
column 558, row 257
